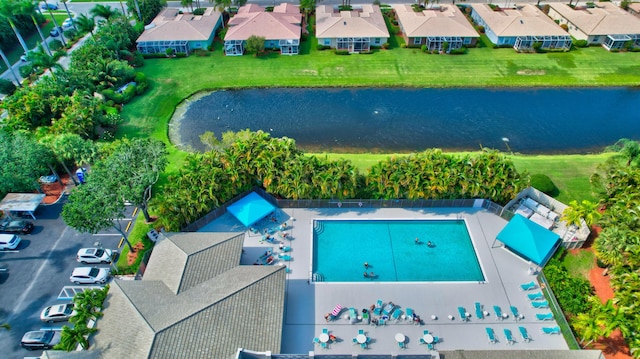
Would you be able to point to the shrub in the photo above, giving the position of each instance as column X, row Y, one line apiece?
column 342, row 52
column 543, row 183
column 141, row 83
column 581, row 43
column 385, row 45
column 7, row 87
column 181, row 54
column 111, row 95
column 138, row 59
column 460, row 51
column 55, row 45
column 366, row 52
column 170, row 52
column 423, row 48
column 157, row 55
column 322, row 47
column 25, row 70
column 345, row 7
column 571, row 292
column 129, row 93
column 564, row 27
column 199, row 11
column 480, row 29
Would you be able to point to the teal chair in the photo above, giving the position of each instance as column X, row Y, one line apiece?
column 525, row 335
column 491, row 335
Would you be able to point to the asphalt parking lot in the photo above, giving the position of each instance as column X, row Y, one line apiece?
column 37, row 272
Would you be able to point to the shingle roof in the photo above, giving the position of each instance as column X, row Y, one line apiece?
column 221, row 308
column 603, row 19
column 526, row 20
column 364, row 22
column 170, row 25
column 283, row 23
column 445, row 20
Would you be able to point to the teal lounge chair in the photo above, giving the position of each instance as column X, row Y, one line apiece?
column 507, row 334
column 528, row 286
column 479, row 312
column 525, row 335
column 409, row 314
column 388, row 309
column 491, row 335
column 516, row 314
column 463, row 314
column 498, row 312
column 551, row 330
column 540, row 305
column 285, row 257
column 535, row 296
column 545, row 316
column 396, row 314
column 378, row 309
column 353, row 315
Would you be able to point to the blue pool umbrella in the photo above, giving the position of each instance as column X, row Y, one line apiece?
column 529, row 240
column 250, row 209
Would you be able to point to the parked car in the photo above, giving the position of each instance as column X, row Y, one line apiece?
column 89, row 275
column 57, row 313
column 94, row 255
column 67, row 23
column 15, row 226
column 49, row 6
column 9, row 241
column 40, row 339
column 55, row 32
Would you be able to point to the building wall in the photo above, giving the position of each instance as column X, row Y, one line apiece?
column 487, row 30
column 573, row 29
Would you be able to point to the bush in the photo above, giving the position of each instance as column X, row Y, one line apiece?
column 181, row 54
column 170, row 52
column 129, row 93
column 25, row 70
column 157, row 55
column 366, row 52
column 543, row 183
column 564, row 27
column 571, row 292
column 55, row 45
column 480, row 29
column 423, row 48
column 581, row 43
column 138, row 59
column 111, row 95
column 460, row 51
column 385, row 45
column 342, row 52
column 199, row 11
column 322, row 47
column 7, row 87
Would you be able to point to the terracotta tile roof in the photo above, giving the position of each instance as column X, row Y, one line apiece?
column 604, row 19
column 169, row 25
column 526, row 20
column 364, row 22
column 445, row 20
column 283, row 23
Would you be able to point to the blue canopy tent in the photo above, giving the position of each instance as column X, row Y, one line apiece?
column 250, row 209
column 529, row 240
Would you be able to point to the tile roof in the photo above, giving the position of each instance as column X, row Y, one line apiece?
column 525, row 20
column 445, row 20
column 635, row 6
column 220, row 309
column 170, row 25
column 283, row 23
column 603, row 19
column 362, row 22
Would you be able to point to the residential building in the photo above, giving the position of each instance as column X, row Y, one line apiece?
column 634, row 8
column 600, row 23
column 281, row 29
column 180, row 32
column 354, row 31
column 435, row 26
column 520, row 27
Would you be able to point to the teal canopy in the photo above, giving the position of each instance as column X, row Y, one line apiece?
column 250, row 209
column 529, row 240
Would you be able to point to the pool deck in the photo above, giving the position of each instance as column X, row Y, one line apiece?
column 307, row 302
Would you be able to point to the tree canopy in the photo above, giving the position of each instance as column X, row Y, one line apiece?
column 23, row 160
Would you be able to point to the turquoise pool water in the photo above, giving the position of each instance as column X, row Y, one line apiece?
column 341, row 248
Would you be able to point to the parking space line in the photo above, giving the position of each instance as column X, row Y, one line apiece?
column 108, row 234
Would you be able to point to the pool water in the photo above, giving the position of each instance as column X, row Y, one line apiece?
column 341, row 248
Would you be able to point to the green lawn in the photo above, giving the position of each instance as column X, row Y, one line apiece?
column 32, row 39
column 579, row 263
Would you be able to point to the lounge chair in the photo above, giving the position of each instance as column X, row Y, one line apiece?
column 378, row 309
column 365, row 317
column 479, row 312
column 498, row 312
column 353, row 315
column 528, row 286
column 536, row 296
column 396, row 314
column 507, row 334
column 545, row 316
column 491, row 335
column 525, row 335
column 335, row 312
column 516, row 314
column 285, row 257
column 388, row 309
column 463, row 314
column 540, row 305
column 551, row 330
column 409, row 314
column 382, row 321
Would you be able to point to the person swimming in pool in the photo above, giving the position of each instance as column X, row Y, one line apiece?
column 366, row 275
column 429, row 244
column 417, row 240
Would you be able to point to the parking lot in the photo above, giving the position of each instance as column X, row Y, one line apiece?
column 38, row 271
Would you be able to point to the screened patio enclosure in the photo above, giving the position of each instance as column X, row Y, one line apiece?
column 547, row 41
column 618, row 41
column 233, row 47
column 154, row 47
column 354, row 44
column 289, row 46
column 436, row 42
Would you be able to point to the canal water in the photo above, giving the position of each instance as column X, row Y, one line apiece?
column 531, row 121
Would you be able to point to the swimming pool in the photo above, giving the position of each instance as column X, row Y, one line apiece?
column 341, row 248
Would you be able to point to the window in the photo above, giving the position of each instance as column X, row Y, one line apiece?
column 417, row 41
column 467, row 40
column 327, row 42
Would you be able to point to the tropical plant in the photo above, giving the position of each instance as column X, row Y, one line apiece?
column 255, row 44
column 86, row 24
column 8, row 10
column 23, row 161
column 10, row 67
column 104, row 11
column 42, row 60
column 71, row 337
column 29, row 7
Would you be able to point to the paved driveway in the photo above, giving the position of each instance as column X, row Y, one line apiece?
column 37, row 272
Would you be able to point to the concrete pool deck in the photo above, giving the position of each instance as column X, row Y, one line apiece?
column 307, row 302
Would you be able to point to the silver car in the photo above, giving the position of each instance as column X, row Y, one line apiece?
column 89, row 275
column 57, row 313
column 94, row 255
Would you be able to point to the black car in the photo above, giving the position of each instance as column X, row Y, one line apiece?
column 40, row 339
column 55, row 32
column 15, row 226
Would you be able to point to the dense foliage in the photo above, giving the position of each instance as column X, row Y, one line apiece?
column 24, row 24
column 87, row 305
column 255, row 159
column 149, row 9
column 571, row 292
column 23, row 161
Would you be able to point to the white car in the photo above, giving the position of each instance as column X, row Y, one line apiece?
column 9, row 241
column 57, row 313
column 67, row 23
column 94, row 255
column 89, row 275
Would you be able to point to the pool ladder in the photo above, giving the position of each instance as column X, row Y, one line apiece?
column 318, row 227
column 317, row 277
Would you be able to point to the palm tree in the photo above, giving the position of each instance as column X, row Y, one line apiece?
column 40, row 59
column 13, row 72
column 187, row 3
column 71, row 337
column 104, row 11
column 29, row 7
column 64, row 2
column 86, row 24
column 55, row 23
column 9, row 9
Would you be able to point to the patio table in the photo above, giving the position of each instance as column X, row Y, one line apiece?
column 428, row 338
column 400, row 338
column 361, row 338
column 324, row 337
